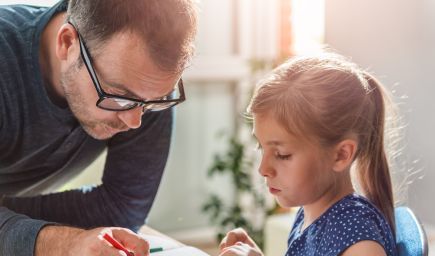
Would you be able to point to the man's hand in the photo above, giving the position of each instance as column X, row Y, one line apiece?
column 58, row 240
column 238, row 243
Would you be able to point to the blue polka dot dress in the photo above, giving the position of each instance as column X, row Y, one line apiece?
column 348, row 221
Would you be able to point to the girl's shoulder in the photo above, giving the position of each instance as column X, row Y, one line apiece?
column 351, row 208
column 350, row 220
column 353, row 219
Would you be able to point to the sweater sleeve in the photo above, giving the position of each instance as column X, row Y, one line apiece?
column 132, row 174
column 18, row 233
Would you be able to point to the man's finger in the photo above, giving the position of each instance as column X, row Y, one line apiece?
column 138, row 245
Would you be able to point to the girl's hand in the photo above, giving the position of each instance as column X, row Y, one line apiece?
column 238, row 240
column 241, row 249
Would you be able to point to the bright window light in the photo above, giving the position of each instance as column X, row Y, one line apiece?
column 29, row 2
column 308, row 24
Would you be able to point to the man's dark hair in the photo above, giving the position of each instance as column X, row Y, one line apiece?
column 167, row 27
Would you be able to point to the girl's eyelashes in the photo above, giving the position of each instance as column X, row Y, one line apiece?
column 282, row 157
column 277, row 154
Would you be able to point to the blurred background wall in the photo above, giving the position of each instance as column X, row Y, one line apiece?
column 396, row 40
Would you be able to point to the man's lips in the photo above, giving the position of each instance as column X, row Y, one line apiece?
column 114, row 130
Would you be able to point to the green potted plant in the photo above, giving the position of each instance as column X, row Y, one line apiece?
column 236, row 163
column 249, row 207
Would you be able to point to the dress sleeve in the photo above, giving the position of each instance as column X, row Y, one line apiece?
column 350, row 225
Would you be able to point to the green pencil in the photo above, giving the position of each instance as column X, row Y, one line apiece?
column 157, row 249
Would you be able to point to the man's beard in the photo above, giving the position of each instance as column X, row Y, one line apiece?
column 98, row 129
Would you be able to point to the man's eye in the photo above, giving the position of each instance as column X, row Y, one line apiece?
column 282, row 157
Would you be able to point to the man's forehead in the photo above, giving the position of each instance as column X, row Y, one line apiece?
column 127, row 63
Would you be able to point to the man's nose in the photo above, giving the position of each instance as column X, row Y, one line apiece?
column 132, row 118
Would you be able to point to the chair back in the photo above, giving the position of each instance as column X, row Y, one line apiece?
column 411, row 240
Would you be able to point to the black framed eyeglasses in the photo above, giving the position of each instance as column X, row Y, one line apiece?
column 113, row 102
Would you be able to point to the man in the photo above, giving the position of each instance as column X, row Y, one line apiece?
column 75, row 79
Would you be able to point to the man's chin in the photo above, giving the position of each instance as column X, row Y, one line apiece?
column 99, row 134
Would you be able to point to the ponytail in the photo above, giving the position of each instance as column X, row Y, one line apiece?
column 372, row 165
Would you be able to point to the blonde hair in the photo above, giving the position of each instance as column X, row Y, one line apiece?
column 325, row 98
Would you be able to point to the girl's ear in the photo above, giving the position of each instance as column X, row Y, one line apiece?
column 344, row 154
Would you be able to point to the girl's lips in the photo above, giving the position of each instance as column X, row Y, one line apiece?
column 274, row 191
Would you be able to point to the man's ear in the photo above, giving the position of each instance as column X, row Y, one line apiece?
column 344, row 153
column 67, row 44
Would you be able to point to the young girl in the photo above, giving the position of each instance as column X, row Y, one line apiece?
column 316, row 117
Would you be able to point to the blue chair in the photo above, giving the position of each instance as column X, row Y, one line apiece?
column 411, row 240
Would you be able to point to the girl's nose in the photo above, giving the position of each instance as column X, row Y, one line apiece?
column 265, row 169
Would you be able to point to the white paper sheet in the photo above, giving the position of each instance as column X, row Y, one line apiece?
column 171, row 247
column 181, row 251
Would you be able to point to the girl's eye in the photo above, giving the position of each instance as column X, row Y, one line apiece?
column 282, row 157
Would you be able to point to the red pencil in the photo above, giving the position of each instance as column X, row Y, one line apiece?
column 116, row 244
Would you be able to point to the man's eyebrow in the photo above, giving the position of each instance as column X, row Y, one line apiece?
column 122, row 87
